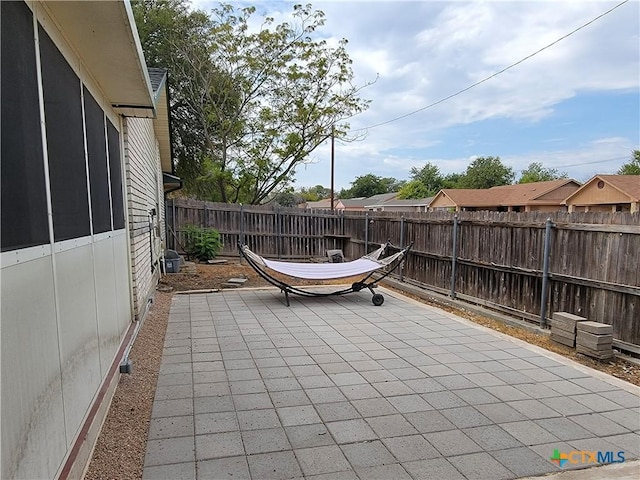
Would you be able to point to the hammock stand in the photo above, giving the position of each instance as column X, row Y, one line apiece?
column 367, row 265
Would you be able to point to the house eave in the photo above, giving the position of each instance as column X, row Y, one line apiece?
column 105, row 37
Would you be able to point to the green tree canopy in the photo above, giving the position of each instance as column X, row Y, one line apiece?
column 287, row 198
column 452, row 180
column 370, row 184
column 429, row 176
column 313, row 194
column 486, row 172
column 535, row 172
column 414, row 189
column 249, row 105
column 633, row 167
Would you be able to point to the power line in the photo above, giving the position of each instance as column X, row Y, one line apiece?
column 494, row 74
column 592, row 163
column 580, row 164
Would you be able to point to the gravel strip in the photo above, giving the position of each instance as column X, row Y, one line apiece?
column 120, row 450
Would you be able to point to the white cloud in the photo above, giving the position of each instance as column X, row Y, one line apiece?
column 425, row 51
column 602, row 155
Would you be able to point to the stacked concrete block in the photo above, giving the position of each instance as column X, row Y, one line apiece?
column 563, row 328
column 595, row 340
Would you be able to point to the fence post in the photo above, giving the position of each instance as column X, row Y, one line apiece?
column 242, row 242
column 173, row 222
column 402, row 246
column 278, row 231
column 366, row 233
column 204, row 214
column 454, row 256
column 545, row 273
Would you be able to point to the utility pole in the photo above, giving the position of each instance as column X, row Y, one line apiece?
column 333, row 135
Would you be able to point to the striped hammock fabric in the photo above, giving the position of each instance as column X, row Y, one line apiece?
column 326, row 271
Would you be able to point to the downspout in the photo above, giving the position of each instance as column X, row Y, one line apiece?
column 126, row 365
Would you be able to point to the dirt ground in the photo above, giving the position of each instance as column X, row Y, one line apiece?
column 120, row 450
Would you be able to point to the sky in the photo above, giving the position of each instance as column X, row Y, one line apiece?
column 574, row 106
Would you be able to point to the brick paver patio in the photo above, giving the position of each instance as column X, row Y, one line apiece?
column 338, row 388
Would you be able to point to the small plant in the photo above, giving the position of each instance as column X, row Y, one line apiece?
column 202, row 243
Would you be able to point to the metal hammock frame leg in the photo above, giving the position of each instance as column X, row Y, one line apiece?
column 369, row 281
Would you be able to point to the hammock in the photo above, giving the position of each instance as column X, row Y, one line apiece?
column 366, row 265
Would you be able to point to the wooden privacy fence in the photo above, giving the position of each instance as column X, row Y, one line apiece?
column 526, row 264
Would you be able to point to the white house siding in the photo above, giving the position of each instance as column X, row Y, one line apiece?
column 144, row 193
column 65, row 306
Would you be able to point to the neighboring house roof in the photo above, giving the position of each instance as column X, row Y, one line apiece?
column 627, row 185
column 535, row 193
column 363, row 202
column 521, row 194
column 325, row 203
column 357, row 203
column 396, row 202
column 382, row 197
column 354, row 203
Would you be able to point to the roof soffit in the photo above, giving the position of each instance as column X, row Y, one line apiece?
column 105, row 37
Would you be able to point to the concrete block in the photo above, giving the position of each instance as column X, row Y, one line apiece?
column 369, row 454
column 595, row 328
column 319, row 460
column 391, row 426
column 411, row 448
column 263, row 441
column 453, row 442
column 590, row 340
column 350, row 431
column 562, row 340
column 566, row 321
column 563, row 333
column 600, row 355
column 273, row 465
column 307, row 436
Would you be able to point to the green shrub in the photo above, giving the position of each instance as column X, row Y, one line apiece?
column 202, row 243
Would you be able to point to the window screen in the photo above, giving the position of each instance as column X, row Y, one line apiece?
column 65, row 143
column 24, row 198
column 116, row 176
column 98, row 167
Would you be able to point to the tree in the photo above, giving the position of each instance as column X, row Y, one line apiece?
column 486, row 172
column 429, row 176
column 249, row 106
column 162, row 25
column 633, row 167
column 370, row 184
column 313, row 194
column 452, row 180
column 414, row 189
column 287, row 198
column 535, row 172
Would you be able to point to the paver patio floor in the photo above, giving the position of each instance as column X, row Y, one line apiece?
column 338, row 388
